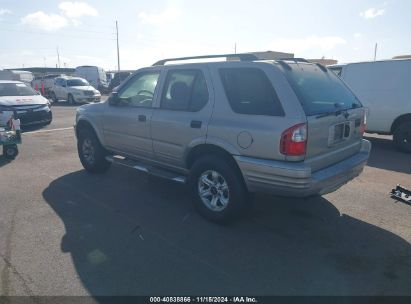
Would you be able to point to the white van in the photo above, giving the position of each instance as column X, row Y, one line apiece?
column 96, row 76
column 385, row 88
column 17, row 75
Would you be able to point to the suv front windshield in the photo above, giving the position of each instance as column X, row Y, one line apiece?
column 318, row 91
column 77, row 83
column 16, row 89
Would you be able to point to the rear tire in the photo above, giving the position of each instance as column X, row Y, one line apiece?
column 218, row 189
column 71, row 100
column 91, row 153
column 402, row 137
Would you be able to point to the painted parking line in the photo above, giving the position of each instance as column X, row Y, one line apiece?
column 50, row 130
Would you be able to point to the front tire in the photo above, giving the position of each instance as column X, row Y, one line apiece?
column 218, row 189
column 91, row 153
column 402, row 137
column 53, row 97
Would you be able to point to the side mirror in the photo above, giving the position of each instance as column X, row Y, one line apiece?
column 114, row 100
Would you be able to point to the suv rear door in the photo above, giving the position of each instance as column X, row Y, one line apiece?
column 184, row 112
column 335, row 117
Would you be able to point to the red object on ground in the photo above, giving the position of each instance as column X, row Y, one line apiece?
column 37, row 87
column 42, row 88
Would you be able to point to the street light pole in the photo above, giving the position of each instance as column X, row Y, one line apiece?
column 375, row 51
column 118, row 50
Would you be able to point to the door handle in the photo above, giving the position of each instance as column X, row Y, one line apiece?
column 142, row 118
column 196, row 124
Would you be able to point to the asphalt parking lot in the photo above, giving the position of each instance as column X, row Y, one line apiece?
column 66, row 232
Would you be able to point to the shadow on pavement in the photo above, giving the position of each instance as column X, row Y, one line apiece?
column 129, row 234
column 3, row 160
column 34, row 127
column 385, row 156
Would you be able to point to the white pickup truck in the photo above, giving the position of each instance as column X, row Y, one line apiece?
column 384, row 87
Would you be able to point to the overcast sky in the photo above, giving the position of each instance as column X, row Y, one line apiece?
column 84, row 32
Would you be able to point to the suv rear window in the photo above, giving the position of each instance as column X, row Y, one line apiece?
column 319, row 91
column 185, row 90
column 249, row 91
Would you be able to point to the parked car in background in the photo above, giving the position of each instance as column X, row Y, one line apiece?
column 47, row 81
column 385, row 88
column 118, row 78
column 96, row 76
column 30, row 106
column 74, row 89
column 17, row 75
column 230, row 128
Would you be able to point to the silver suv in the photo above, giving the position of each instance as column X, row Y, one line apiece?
column 230, row 128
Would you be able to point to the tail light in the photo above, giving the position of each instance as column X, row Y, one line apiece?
column 294, row 140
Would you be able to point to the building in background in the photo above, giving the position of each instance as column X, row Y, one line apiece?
column 268, row 55
column 41, row 71
column 324, row 61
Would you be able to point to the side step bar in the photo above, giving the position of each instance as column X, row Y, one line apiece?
column 159, row 172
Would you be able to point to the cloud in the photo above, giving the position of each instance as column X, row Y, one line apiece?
column 325, row 43
column 89, row 59
column 4, row 11
column 357, row 35
column 77, row 9
column 76, row 23
column 43, row 21
column 167, row 16
column 372, row 13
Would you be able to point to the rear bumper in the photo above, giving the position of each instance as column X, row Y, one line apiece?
column 296, row 179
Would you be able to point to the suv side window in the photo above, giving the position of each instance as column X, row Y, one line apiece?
column 139, row 92
column 185, row 90
column 249, row 91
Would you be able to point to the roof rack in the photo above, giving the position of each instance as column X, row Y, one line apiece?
column 296, row 60
column 322, row 68
column 242, row 57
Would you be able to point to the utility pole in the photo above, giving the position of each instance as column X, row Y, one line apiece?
column 375, row 51
column 235, row 48
column 58, row 56
column 118, row 49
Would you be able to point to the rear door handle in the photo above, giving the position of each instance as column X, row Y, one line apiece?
column 142, row 118
column 196, row 124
